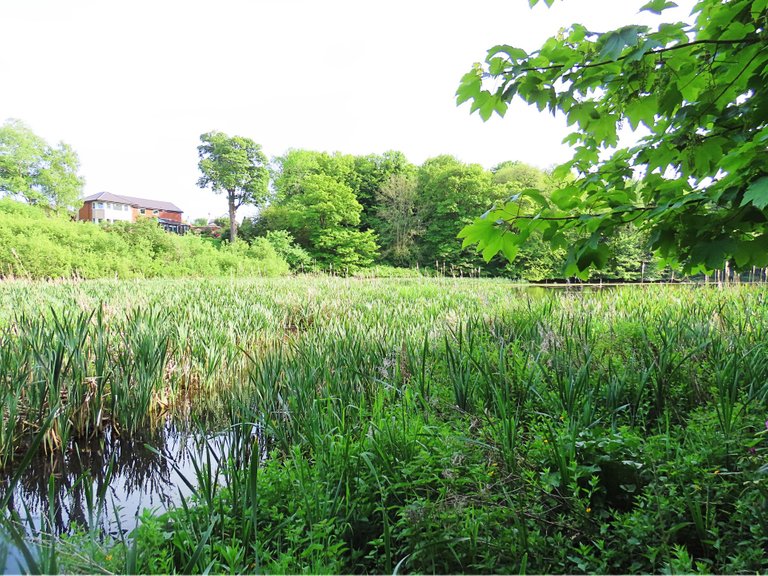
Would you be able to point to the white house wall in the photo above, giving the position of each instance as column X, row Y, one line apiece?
column 111, row 212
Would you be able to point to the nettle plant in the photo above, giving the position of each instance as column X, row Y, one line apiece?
column 697, row 181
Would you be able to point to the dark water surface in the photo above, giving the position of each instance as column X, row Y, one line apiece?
column 131, row 475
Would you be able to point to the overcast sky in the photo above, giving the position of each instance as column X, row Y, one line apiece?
column 132, row 85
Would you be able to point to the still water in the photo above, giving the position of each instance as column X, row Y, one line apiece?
column 144, row 472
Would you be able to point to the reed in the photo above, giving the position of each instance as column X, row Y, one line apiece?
column 367, row 425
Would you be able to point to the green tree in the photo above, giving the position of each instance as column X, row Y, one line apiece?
column 449, row 193
column 399, row 220
column 371, row 172
column 234, row 165
column 323, row 214
column 33, row 170
column 537, row 260
column 699, row 91
column 292, row 168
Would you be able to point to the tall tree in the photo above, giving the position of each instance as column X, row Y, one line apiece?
column 399, row 221
column 323, row 215
column 36, row 172
column 293, row 167
column 698, row 88
column 450, row 192
column 234, row 165
column 371, row 173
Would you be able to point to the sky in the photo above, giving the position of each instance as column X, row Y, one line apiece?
column 132, row 85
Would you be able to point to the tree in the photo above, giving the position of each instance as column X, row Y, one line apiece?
column 371, row 173
column 400, row 224
column 323, row 214
column 237, row 166
column 449, row 192
column 297, row 164
column 36, row 172
column 699, row 91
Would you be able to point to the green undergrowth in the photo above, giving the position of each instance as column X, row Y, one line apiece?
column 34, row 245
column 446, row 426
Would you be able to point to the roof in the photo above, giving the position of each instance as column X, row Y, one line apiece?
column 133, row 201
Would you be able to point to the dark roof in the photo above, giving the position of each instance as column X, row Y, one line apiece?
column 133, row 201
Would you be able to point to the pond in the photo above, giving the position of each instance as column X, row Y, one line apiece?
column 104, row 484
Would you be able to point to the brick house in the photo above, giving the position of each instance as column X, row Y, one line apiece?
column 108, row 207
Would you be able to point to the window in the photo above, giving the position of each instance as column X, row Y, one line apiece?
column 125, row 207
column 155, row 211
column 142, row 211
column 98, row 205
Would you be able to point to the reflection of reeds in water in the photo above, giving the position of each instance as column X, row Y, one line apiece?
column 96, row 474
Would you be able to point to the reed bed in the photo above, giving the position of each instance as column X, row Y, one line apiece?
column 419, row 425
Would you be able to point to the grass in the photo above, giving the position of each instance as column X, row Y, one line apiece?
column 412, row 425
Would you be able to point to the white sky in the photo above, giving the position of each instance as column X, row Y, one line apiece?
column 131, row 85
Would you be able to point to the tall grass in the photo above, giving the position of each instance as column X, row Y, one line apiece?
column 415, row 425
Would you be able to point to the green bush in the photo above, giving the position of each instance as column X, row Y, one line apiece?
column 35, row 245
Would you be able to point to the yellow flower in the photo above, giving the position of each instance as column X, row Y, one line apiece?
column 589, row 509
column 108, row 557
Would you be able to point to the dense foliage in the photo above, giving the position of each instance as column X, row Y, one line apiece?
column 236, row 166
column 417, row 426
column 697, row 180
column 36, row 245
column 326, row 204
column 36, row 172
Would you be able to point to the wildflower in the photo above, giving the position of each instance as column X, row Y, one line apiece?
column 108, row 557
column 716, row 472
column 589, row 510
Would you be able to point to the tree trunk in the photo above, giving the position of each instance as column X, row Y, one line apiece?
column 232, row 220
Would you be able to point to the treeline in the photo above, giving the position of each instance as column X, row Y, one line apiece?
column 35, row 243
column 342, row 212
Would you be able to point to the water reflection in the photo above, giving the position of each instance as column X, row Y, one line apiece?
column 129, row 475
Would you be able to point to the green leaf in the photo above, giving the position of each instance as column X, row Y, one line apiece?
column 536, row 196
column 513, row 52
column 643, row 110
column 510, row 246
column 565, row 198
column 596, row 257
column 757, row 194
column 657, row 6
column 471, row 84
column 612, row 43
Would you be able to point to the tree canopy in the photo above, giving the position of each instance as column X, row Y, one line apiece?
column 36, row 172
column 237, row 166
column 696, row 180
column 316, row 204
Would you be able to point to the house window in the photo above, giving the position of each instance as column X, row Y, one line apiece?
column 125, row 207
column 142, row 211
column 98, row 205
column 155, row 211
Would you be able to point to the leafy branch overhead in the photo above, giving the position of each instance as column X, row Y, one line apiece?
column 697, row 179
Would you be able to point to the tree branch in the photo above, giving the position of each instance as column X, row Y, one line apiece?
column 577, row 67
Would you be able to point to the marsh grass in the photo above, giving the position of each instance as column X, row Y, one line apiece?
column 414, row 425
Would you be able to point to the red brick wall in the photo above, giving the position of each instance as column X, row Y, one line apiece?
column 148, row 213
column 175, row 216
column 86, row 212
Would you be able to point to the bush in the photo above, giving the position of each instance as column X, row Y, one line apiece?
column 34, row 245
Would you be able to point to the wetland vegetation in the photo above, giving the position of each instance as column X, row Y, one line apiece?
column 361, row 425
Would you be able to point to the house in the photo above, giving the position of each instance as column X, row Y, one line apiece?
column 108, row 207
